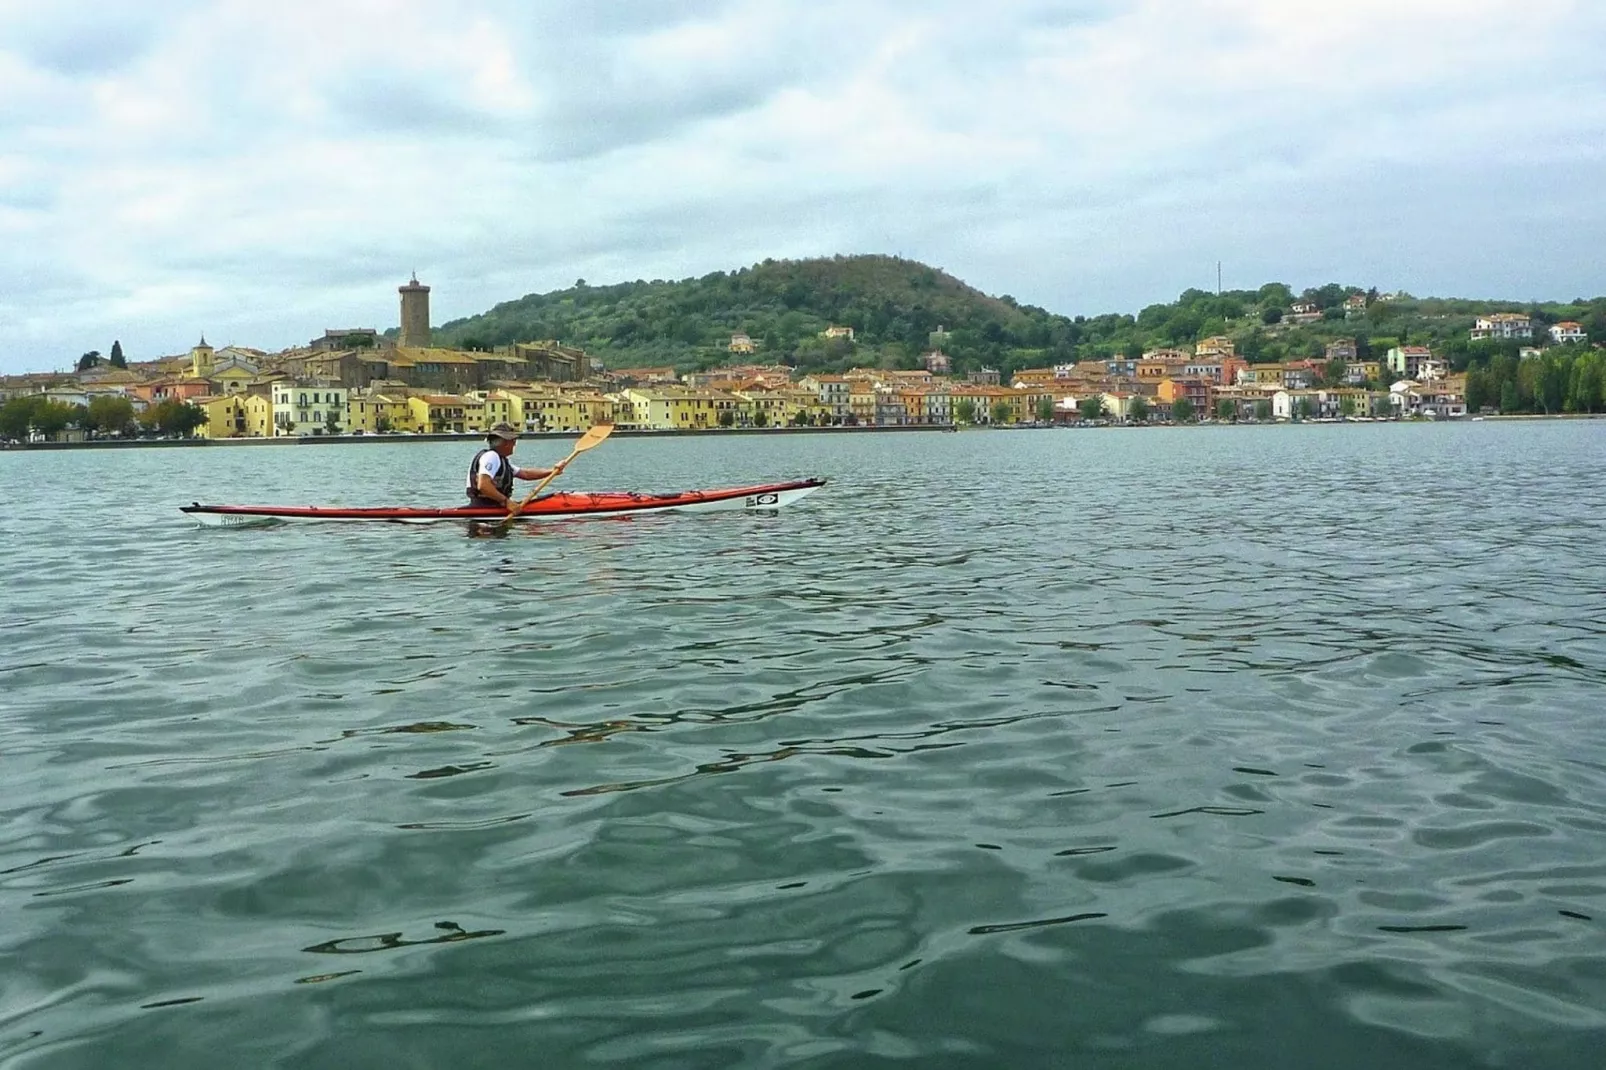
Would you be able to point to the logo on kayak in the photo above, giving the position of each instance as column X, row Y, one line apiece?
column 754, row 500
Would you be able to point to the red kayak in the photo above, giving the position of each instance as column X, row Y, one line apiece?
column 561, row 504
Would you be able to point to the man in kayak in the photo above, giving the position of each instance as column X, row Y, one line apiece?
column 491, row 474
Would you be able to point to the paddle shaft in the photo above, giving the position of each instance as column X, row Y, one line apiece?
column 593, row 437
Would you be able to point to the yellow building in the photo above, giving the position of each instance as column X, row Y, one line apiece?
column 1027, row 401
column 439, row 414
column 483, row 410
column 1263, row 375
column 982, row 399
column 537, row 408
column 375, row 414
column 801, row 399
column 258, row 415
column 225, row 416
column 780, row 407
column 590, row 409
column 671, row 409
column 862, row 400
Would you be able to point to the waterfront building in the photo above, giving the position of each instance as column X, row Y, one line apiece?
column 1196, row 390
column 308, row 407
column 484, row 409
column 833, row 393
column 372, row 413
column 667, row 408
column 225, row 415
column 258, row 414
column 439, row 414
column 1440, row 400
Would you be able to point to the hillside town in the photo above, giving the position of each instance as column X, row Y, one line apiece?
column 358, row 382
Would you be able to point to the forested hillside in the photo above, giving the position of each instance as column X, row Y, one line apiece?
column 895, row 306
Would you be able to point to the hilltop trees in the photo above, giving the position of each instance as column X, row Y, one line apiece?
column 117, row 358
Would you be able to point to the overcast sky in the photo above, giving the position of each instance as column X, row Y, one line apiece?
column 260, row 172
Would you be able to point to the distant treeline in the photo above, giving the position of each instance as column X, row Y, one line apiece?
column 107, row 414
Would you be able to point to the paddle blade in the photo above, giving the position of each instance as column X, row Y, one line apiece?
column 593, row 437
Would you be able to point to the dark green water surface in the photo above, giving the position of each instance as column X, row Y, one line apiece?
column 1249, row 748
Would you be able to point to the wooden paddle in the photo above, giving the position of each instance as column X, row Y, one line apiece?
column 593, row 437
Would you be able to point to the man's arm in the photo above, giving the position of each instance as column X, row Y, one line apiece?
column 537, row 473
column 485, row 487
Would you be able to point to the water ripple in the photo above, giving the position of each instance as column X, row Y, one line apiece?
column 1171, row 748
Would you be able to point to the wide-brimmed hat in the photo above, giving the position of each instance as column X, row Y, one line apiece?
column 505, row 432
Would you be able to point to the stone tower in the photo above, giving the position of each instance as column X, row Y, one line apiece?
column 414, row 313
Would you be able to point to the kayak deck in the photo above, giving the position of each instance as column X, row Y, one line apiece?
column 560, row 504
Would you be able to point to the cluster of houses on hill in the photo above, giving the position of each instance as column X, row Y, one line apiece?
column 355, row 381
column 324, row 389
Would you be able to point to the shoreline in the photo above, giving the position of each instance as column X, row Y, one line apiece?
column 465, row 436
column 474, row 436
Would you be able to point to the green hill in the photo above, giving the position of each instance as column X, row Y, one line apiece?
column 893, row 305
column 896, row 305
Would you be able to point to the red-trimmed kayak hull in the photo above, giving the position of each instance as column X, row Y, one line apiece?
column 561, row 504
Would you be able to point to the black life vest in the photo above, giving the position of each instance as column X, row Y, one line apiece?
column 504, row 475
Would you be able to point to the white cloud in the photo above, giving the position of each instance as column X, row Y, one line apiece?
column 263, row 172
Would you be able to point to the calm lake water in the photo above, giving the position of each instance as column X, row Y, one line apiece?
column 1250, row 748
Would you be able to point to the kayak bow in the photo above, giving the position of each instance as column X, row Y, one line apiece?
column 561, row 504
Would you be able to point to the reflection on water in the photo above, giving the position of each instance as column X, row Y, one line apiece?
column 1190, row 748
column 450, row 933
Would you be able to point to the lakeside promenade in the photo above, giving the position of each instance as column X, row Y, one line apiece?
column 466, row 436
column 556, row 436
